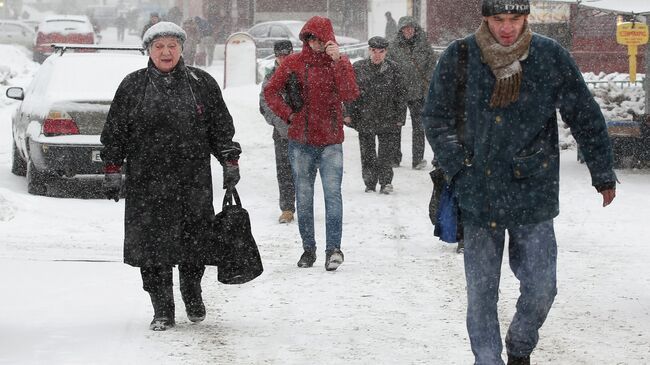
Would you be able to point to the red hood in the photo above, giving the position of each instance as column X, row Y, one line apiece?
column 320, row 27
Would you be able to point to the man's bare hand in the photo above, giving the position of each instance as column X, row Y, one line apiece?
column 332, row 50
column 608, row 196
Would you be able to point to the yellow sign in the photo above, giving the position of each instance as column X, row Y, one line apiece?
column 632, row 35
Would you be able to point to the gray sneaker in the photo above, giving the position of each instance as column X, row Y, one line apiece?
column 386, row 189
column 333, row 259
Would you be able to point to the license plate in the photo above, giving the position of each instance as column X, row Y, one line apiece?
column 96, row 156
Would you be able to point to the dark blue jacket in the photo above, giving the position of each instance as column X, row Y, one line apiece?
column 513, row 176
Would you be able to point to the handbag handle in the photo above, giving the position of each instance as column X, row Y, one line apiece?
column 228, row 198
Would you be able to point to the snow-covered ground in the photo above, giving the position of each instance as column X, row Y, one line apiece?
column 399, row 298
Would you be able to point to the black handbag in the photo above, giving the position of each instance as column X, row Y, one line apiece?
column 239, row 259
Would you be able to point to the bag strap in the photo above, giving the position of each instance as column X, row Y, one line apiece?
column 461, row 115
column 228, row 198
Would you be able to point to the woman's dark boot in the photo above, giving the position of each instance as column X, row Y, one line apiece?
column 191, row 293
column 163, row 309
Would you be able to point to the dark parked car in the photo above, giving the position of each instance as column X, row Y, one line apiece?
column 267, row 33
column 73, row 29
column 57, row 126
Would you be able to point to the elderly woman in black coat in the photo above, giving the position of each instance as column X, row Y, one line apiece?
column 164, row 123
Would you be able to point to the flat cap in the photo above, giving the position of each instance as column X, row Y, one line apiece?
column 377, row 42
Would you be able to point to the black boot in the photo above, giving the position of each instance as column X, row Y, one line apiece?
column 163, row 309
column 194, row 306
column 514, row 360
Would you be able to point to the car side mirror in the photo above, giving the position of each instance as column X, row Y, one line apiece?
column 15, row 93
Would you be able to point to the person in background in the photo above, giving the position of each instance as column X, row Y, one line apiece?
column 281, row 49
column 376, row 114
column 120, row 24
column 207, row 43
column 411, row 51
column 174, row 15
column 315, row 132
column 505, row 170
column 192, row 42
column 391, row 26
column 154, row 18
column 164, row 123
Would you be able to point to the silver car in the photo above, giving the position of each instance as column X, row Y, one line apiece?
column 16, row 32
column 57, row 126
column 267, row 33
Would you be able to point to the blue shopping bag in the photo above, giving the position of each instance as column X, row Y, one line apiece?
column 447, row 219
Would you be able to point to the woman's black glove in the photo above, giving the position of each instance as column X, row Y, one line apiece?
column 112, row 185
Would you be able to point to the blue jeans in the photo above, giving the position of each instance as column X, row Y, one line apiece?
column 305, row 161
column 533, row 257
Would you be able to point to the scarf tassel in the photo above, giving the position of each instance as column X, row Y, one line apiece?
column 506, row 91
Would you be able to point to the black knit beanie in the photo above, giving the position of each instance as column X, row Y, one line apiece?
column 494, row 7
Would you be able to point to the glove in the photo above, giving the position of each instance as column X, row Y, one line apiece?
column 112, row 185
column 230, row 174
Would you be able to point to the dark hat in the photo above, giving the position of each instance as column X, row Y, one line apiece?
column 494, row 7
column 282, row 47
column 154, row 13
column 377, row 42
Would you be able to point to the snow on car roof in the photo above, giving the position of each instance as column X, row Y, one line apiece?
column 84, row 76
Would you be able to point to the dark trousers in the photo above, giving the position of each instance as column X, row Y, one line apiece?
column 415, row 108
column 156, row 278
column 283, row 171
column 376, row 161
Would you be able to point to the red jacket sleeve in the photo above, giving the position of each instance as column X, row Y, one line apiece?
column 345, row 79
column 272, row 92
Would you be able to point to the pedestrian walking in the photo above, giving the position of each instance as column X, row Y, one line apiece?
column 120, row 24
column 191, row 45
column 411, row 51
column 315, row 132
column 505, row 170
column 154, row 18
column 391, row 26
column 282, row 49
column 376, row 115
column 164, row 123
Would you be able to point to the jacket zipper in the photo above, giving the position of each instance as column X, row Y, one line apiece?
column 306, row 103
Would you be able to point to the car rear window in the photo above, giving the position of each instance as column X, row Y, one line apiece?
column 90, row 76
column 65, row 26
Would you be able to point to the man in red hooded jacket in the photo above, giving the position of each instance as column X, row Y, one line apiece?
column 326, row 80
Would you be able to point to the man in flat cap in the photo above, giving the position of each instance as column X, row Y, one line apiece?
column 377, row 115
column 503, row 164
column 281, row 49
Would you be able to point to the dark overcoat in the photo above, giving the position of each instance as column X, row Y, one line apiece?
column 512, row 177
column 382, row 100
column 163, row 128
column 414, row 57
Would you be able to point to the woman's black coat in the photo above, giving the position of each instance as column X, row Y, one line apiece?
column 163, row 128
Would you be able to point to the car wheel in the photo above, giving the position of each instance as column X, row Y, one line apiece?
column 36, row 181
column 18, row 165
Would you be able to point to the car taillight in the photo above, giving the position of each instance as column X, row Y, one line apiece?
column 59, row 123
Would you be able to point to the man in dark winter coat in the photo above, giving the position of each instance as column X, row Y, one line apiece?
column 164, row 123
column 416, row 60
column 282, row 49
column 504, row 165
column 377, row 114
column 326, row 80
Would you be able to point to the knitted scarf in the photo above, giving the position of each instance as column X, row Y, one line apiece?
column 504, row 63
